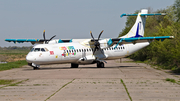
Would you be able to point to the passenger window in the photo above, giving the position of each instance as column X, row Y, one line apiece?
column 36, row 49
column 72, row 50
column 79, row 50
column 42, row 49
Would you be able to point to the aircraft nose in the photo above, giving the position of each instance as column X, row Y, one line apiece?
column 29, row 58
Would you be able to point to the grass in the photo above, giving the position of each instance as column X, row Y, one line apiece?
column 11, row 65
column 126, row 89
column 59, row 89
column 15, row 84
column 9, row 83
column 6, row 82
column 14, row 52
column 171, row 80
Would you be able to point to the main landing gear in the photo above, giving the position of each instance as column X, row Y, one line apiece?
column 73, row 65
column 100, row 65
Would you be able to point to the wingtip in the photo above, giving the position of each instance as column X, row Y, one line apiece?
column 171, row 37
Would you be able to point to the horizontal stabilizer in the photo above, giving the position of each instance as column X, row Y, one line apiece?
column 142, row 14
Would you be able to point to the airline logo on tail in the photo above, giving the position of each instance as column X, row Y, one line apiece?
column 137, row 31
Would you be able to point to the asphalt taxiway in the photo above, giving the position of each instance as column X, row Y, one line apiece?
column 124, row 81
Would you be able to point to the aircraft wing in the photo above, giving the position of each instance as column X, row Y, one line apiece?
column 33, row 41
column 37, row 41
column 120, row 41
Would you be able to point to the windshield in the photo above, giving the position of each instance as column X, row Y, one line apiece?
column 39, row 49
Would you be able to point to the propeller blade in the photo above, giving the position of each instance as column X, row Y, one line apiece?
column 94, row 50
column 100, row 34
column 92, row 35
column 44, row 37
column 52, row 37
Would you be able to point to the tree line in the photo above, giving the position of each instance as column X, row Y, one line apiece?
column 163, row 53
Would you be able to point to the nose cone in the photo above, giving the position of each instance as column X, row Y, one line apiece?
column 29, row 58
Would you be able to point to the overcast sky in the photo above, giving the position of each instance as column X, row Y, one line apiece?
column 67, row 19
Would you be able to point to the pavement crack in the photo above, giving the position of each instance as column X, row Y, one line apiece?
column 59, row 89
column 126, row 90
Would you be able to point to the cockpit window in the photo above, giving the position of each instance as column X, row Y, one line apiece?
column 42, row 50
column 46, row 49
column 36, row 49
column 39, row 50
column 32, row 49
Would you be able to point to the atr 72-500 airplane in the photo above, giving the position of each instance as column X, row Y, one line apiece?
column 89, row 51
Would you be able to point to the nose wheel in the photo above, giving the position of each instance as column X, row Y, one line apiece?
column 100, row 64
column 35, row 67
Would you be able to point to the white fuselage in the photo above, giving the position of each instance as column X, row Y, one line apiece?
column 74, row 52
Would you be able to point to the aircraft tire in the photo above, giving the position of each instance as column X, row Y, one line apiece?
column 35, row 68
column 100, row 65
column 73, row 65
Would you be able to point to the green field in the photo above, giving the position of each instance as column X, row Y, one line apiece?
column 15, row 56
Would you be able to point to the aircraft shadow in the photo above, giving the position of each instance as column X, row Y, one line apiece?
column 54, row 68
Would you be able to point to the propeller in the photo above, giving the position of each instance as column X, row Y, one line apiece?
column 96, row 42
column 46, row 41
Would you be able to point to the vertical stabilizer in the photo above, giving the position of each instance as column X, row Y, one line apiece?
column 138, row 28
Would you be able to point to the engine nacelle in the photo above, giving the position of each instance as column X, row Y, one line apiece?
column 86, row 60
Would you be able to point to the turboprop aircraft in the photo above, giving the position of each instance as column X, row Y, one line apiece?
column 90, row 51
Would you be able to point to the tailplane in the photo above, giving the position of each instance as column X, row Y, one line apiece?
column 138, row 28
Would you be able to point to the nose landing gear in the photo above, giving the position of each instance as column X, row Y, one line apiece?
column 35, row 66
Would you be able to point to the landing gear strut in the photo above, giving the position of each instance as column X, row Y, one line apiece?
column 35, row 67
column 73, row 65
column 100, row 65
